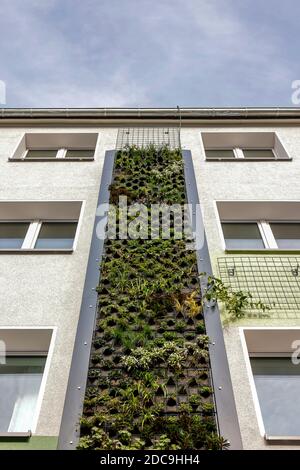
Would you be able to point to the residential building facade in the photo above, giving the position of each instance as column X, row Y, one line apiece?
column 55, row 171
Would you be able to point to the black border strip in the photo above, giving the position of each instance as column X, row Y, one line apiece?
column 224, row 398
column 70, row 429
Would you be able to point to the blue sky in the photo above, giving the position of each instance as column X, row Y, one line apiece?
column 95, row 53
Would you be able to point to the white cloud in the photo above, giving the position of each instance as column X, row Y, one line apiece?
column 119, row 93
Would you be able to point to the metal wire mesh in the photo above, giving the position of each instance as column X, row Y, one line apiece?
column 143, row 136
column 273, row 280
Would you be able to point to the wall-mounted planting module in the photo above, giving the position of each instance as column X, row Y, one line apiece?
column 149, row 381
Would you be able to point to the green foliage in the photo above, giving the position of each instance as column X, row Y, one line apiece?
column 205, row 391
column 236, row 302
column 170, row 354
column 208, row 408
column 180, row 326
column 164, row 443
column 149, row 326
column 194, row 400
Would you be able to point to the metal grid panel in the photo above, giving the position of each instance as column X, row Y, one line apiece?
column 273, row 280
column 143, row 136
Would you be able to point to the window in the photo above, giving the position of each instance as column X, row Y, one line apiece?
column 242, row 236
column 25, row 359
column 274, row 380
column 261, row 235
column 238, row 153
column 258, row 154
column 243, row 146
column 277, row 382
column 60, row 154
column 220, row 154
column 12, row 234
column 38, row 235
column 20, row 381
column 56, row 235
column 38, row 225
column 287, row 235
column 79, row 154
column 41, row 146
column 40, row 154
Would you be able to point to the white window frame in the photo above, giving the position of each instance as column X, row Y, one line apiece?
column 265, row 230
column 268, row 237
column 31, row 235
column 238, row 153
column 33, row 232
column 61, row 153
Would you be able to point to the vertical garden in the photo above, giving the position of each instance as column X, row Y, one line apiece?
column 149, row 379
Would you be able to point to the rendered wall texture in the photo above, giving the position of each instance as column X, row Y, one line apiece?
column 46, row 290
column 245, row 181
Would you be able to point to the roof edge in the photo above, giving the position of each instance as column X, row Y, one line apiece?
column 151, row 113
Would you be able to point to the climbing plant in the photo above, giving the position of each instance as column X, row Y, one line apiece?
column 236, row 302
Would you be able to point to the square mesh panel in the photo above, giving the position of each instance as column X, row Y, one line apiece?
column 144, row 136
column 273, row 280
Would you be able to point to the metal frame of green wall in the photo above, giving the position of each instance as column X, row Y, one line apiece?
column 70, row 425
column 224, row 398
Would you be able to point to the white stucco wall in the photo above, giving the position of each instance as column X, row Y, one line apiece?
column 46, row 290
column 248, row 181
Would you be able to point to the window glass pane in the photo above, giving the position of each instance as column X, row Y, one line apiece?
column 12, row 234
column 80, row 154
column 287, row 235
column 243, row 236
column 259, row 153
column 20, row 380
column 219, row 154
column 277, row 382
column 41, row 154
column 56, row 235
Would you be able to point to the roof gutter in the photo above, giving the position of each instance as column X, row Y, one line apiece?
column 164, row 116
column 150, row 113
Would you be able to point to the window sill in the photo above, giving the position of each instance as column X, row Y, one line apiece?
column 36, row 251
column 248, row 160
column 262, row 251
column 15, row 435
column 282, row 439
column 51, row 159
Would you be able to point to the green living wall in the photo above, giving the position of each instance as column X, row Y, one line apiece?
column 149, row 379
